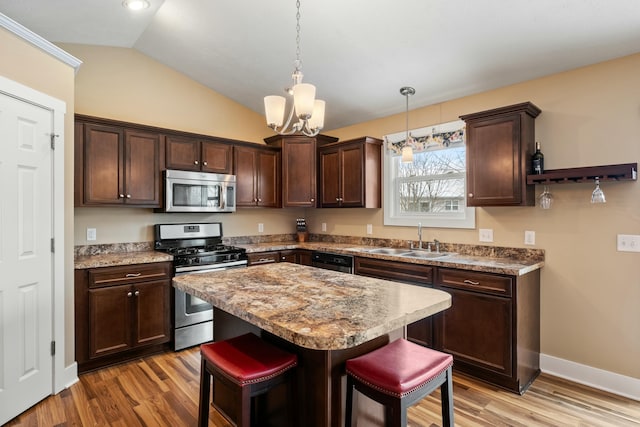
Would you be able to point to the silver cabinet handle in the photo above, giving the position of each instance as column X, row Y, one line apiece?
column 129, row 294
column 128, row 196
column 470, row 194
column 313, row 200
column 122, row 196
column 471, row 282
column 204, row 163
column 133, row 275
column 265, row 260
column 195, row 162
column 136, row 293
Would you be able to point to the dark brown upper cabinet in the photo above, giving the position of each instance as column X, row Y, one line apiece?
column 116, row 166
column 500, row 143
column 299, row 173
column 257, row 170
column 350, row 173
column 195, row 154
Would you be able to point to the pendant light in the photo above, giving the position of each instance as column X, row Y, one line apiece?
column 407, row 148
column 309, row 111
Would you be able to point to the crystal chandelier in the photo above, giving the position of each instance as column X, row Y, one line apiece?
column 308, row 110
column 407, row 149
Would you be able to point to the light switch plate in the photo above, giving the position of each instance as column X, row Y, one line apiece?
column 529, row 237
column 628, row 243
column 369, row 229
column 324, row 226
column 485, row 235
column 91, row 234
column 260, row 227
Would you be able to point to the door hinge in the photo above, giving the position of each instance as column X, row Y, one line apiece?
column 53, row 245
column 53, row 348
column 53, row 140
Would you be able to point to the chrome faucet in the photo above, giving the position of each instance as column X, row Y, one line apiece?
column 419, row 235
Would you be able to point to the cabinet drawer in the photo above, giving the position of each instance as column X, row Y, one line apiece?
column 263, row 258
column 473, row 281
column 398, row 271
column 128, row 274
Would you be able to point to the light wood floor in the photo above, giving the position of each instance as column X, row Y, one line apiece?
column 162, row 390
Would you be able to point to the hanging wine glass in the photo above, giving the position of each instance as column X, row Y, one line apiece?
column 597, row 196
column 545, row 199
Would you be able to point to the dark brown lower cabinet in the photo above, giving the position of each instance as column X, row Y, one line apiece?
column 492, row 328
column 121, row 313
column 419, row 332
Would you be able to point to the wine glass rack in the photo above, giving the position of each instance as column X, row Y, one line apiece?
column 621, row 172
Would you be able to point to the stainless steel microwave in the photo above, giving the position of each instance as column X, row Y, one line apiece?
column 187, row 191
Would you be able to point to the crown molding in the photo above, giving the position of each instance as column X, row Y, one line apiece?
column 39, row 42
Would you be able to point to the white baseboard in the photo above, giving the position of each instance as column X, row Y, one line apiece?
column 592, row 377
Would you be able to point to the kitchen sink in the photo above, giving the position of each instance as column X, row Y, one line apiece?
column 388, row 251
column 425, row 255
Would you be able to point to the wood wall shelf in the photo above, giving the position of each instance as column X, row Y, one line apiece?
column 622, row 172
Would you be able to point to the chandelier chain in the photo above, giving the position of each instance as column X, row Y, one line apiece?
column 298, row 61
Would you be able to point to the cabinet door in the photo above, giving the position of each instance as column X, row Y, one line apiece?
column 152, row 310
column 304, row 257
column 142, row 168
column 109, row 320
column 246, row 168
column 351, row 176
column 182, row 153
column 299, row 186
column 103, row 165
column 494, row 167
column 268, row 179
column 329, row 161
column 477, row 331
column 216, row 157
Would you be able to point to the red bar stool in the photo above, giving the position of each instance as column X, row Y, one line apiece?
column 249, row 366
column 399, row 375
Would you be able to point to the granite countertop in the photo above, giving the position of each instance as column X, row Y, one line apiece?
column 314, row 308
column 514, row 262
column 120, row 258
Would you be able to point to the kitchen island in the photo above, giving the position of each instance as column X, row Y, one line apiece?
column 325, row 317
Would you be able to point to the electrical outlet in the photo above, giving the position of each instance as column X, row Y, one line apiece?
column 260, row 227
column 369, row 229
column 485, row 235
column 324, row 226
column 529, row 237
column 628, row 243
column 91, row 234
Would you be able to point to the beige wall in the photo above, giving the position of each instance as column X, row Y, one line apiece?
column 590, row 116
column 30, row 66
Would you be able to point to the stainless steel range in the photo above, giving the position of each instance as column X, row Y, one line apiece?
column 196, row 248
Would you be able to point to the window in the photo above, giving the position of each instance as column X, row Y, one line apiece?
column 431, row 190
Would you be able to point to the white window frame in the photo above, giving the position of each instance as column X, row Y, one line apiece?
column 463, row 218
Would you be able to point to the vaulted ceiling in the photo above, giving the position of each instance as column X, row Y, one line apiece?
column 357, row 52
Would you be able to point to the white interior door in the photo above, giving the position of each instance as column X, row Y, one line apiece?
column 26, row 279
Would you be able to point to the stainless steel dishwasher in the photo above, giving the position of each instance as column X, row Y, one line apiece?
column 335, row 262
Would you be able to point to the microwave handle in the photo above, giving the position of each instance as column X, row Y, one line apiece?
column 223, row 196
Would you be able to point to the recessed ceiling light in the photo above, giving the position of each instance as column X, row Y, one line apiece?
column 136, row 4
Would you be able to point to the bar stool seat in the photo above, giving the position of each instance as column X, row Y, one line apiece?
column 399, row 375
column 249, row 366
